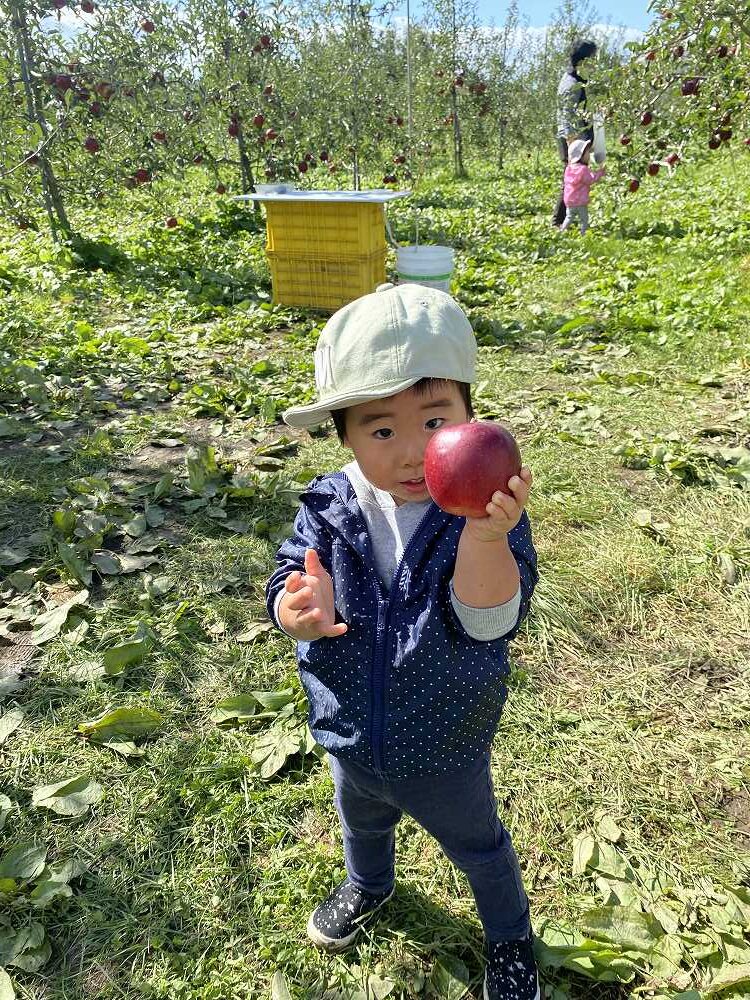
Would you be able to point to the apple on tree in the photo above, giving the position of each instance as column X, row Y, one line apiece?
column 464, row 464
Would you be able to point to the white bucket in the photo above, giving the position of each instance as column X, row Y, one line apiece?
column 600, row 146
column 425, row 265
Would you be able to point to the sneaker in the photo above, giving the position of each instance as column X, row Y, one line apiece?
column 511, row 971
column 336, row 922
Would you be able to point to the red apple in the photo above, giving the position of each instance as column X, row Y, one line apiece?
column 747, row 141
column 265, row 41
column 650, row 56
column 633, row 185
column 221, row 189
column 197, row 159
column 646, row 118
column 268, row 90
column 464, row 464
column 159, row 136
column 242, row 15
column 148, row 26
column 690, row 86
column 324, row 155
column 653, row 169
column 678, row 51
column 96, row 109
column 171, row 222
column 302, row 166
column 399, row 120
column 722, row 51
column 624, row 140
column 673, row 159
column 91, row 145
column 270, row 134
column 141, row 176
column 63, row 81
column 714, row 142
column 389, row 179
column 88, row 7
column 258, row 121
column 725, row 134
column 233, row 129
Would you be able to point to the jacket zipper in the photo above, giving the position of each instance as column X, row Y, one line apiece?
column 381, row 670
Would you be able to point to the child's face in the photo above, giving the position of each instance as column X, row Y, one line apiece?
column 389, row 436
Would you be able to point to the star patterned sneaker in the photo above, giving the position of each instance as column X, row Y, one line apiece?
column 336, row 922
column 511, row 971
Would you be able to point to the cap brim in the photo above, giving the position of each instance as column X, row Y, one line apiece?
column 317, row 413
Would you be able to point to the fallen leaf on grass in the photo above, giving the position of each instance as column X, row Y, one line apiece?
column 6, row 987
column 123, row 654
column 24, row 860
column 120, row 725
column 9, row 723
column 70, row 797
column 49, row 624
column 254, row 630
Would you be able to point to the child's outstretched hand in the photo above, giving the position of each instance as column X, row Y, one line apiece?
column 307, row 610
column 503, row 511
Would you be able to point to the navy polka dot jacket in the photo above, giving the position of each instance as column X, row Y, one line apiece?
column 406, row 690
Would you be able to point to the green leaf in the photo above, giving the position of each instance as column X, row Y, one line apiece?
column 164, row 487
column 136, row 527
column 584, row 852
column 74, row 564
column 254, row 630
column 6, row 986
column 608, row 829
column 31, row 949
column 729, row 976
column 21, row 581
column 44, row 892
column 279, row 989
column 5, row 809
column 107, row 563
column 121, row 725
column 25, row 861
column 449, row 979
column 202, row 468
column 12, row 556
column 70, row 797
column 64, row 522
column 274, row 700
column 125, row 654
column 9, row 723
column 237, row 709
column 623, row 926
column 49, row 624
column 272, row 748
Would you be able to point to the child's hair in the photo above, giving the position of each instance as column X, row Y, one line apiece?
column 422, row 387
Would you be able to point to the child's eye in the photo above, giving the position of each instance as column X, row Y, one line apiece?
column 382, row 433
column 434, row 423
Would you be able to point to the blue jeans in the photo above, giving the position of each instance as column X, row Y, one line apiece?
column 459, row 810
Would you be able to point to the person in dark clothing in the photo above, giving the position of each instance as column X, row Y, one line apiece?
column 572, row 121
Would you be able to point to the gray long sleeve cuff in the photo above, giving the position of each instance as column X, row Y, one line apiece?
column 487, row 623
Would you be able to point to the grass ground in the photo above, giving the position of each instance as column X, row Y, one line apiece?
column 620, row 361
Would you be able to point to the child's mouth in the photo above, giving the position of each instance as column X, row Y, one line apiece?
column 413, row 485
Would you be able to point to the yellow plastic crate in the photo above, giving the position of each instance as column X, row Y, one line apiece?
column 324, row 282
column 325, row 229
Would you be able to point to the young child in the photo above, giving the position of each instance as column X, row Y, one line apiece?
column 577, row 185
column 403, row 615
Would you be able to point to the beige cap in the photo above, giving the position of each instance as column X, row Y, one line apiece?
column 385, row 342
column 577, row 148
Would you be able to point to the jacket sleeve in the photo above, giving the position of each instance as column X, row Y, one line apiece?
column 522, row 546
column 308, row 534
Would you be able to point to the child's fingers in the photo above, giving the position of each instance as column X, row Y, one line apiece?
column 526, row 475
column 313, row 565
column 335, row 630
column 300, row 600
column 501, row 504
column 520, row 489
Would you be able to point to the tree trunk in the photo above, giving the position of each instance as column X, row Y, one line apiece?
column 53, row 201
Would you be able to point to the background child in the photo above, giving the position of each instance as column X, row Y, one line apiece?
column 578, row 181
column 403, row 615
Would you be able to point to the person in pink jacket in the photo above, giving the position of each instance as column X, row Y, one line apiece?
column 578, row 181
